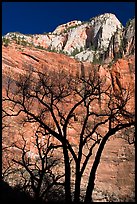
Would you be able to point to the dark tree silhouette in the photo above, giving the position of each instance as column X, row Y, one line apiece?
column 35, row 168
column 60, row 102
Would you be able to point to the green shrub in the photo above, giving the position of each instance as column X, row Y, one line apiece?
column 81, row 49
column 5, row 42
column 63, row 52
column 14, row 37
column 128, row 22
column 40, row 47
column 69, row 28
column 92, row 47
column 97, row 60
column 75, row 51
column 23, row 42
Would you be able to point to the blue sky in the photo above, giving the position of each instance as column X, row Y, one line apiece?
column 39, row 17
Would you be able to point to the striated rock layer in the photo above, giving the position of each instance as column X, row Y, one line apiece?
column 115, row 175
column 102, row 38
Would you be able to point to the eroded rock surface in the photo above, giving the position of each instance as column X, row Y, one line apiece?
column 115, row 179
column 103, row 38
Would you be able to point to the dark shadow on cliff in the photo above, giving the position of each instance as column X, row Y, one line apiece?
column 14, row 195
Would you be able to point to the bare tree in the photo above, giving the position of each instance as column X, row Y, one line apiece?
column 35, row 167
column 60, row 102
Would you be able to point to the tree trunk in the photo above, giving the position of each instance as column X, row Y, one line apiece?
column 78, row 174
column 90, row 187
column 68, row 198
column 77, row 186
column 37, row 196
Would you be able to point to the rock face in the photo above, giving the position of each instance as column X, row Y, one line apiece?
column 64, row 27
column 115, row 49
column 129, row 38
column 115, row 175
column 102, row 37
column 104, row 28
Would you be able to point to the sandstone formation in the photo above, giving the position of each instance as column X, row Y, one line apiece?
column 66, row 26
column 101, row 37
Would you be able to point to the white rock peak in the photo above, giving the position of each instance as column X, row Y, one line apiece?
column 84, row 40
